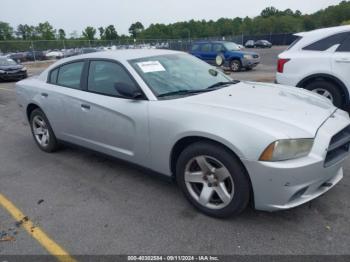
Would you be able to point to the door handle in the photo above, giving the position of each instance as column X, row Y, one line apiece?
column 84, row 106
column 343, row 60
column 44, row 95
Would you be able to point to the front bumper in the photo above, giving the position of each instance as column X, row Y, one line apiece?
column 250, row 63
column 287, row 184
column 7, row 76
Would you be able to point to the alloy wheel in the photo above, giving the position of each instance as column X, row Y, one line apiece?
column 209, row 182
column 323, row 92
column 41, row 131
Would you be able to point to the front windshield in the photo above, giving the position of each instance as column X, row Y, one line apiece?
column 231, row 46
column 176, row 73
column 7, row 62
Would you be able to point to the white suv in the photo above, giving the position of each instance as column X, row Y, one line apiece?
column 319, row 61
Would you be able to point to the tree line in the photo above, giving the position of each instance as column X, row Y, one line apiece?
column 271, row 20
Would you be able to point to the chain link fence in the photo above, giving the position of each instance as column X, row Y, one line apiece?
column 21, row 50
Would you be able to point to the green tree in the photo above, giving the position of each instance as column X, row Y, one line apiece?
column 135, row 29
column 45, row 31
column 61, row 34
column 269, row 11
column 110, row 33
column 6, row 31
column 89, row 33
column 101, row 31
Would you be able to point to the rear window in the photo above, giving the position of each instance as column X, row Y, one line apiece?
column 53, row 76
column 325, row 43
column 345, row 46
column 206, row 48
column 195, row 47
column 294, row 42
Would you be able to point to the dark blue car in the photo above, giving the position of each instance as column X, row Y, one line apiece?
column 223, row 53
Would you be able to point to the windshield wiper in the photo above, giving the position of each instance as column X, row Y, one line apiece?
column 218, row 84
column 196, row 91
column 183, row 92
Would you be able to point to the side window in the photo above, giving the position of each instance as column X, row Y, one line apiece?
column 195, row 47
column 69, row 75
column 345, row 46
column 218, row 48
column 206, row 48
column 103, row 75
column 327, row 42
column 53, row 76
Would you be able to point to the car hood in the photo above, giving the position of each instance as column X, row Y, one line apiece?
column 10, row 67
column 288, row 106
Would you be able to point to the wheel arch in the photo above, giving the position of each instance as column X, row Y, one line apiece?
column 329, row 78
column 184, row 142
column 30, row 108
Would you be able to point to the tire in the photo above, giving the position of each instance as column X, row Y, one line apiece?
column 327, row 89
column 219, row 59
column 41, row 128
column 235, row 65
column 201, row 188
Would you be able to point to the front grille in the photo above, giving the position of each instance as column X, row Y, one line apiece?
column 338, row 147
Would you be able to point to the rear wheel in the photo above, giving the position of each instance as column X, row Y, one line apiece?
column 213, row 179
column 328, row 90
column 42, row 131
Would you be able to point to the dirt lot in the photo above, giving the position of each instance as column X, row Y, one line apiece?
column 88, row 204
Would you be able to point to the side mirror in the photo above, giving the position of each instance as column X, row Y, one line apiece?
column 128, row 91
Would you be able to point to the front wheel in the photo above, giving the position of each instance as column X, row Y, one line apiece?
column 213, row 179
column 235, row 65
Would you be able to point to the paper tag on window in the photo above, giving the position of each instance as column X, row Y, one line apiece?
column 151, row 66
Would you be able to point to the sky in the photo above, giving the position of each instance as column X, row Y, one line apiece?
column 77, row 14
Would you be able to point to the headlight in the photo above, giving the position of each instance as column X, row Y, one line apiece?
column 248, row 56
column 24, row 69
column 287, row 149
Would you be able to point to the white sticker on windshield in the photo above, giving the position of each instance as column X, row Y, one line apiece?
column 151, row 66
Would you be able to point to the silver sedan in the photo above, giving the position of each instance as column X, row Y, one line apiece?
column 227, row 143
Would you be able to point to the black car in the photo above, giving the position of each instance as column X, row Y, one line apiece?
column 263, row 44
column 249, row 44
column 10, row 70
column 36, row 55
column 18, row 57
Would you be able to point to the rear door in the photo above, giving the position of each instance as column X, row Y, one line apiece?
column 207, row 54
column 60, row 96
column 341, row 62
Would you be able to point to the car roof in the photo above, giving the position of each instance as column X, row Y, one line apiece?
column 211, row 42
column 121, row 55
column 325, row 31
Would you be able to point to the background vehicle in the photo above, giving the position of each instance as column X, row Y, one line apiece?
column 18, row 57
column 227, row 54
column 226, row 142
column 10, row 70
column 87, row 50
column 36, row 55
column 263, row 44
column 55, row 54
column 320, row 62
column 250, row 44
